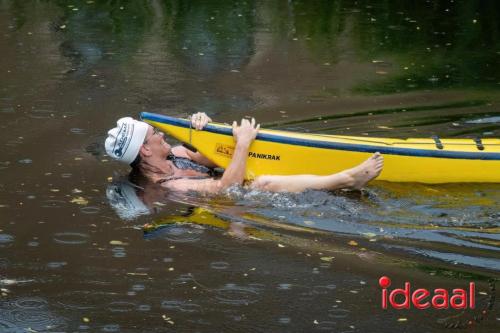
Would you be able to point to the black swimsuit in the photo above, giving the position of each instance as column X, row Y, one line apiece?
column 187, row 164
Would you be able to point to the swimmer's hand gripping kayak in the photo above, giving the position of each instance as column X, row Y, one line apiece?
column 423, row 160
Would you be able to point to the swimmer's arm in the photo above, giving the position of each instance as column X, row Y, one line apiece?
column 197, row 185
column 237, row 229
column 235, row 172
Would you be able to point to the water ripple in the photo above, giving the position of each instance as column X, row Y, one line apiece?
column 237, row 295
column 28, row 312
column 180, row 234
column 71, row 238
column 121, row 306
column 219, row 265
column 144, row 307
column 4, row 263
column 53, row 203
column 326, row 326
column 56, row 264
column 6, row 239
column 338, row 313
column 323, row 290
column 41, row 114
column 111, row 328
column 182, row 306
column 30, row 303
column 90, row 210
column 183, row 279
column 4, row 165
column 76, row 130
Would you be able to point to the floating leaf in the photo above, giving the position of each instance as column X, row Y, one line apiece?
column 328, row 259
column 86, row 320
column 281, row 245
column 353, row 243
column 402, row 319
column 80, row 201
column 117, row 242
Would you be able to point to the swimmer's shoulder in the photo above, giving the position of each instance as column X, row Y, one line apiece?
column 180, row 151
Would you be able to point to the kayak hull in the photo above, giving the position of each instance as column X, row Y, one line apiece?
column 288, row 153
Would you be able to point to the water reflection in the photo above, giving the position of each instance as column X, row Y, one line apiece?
column 383, row 216
column 410, row 44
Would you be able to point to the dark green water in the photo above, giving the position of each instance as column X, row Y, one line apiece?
column 310, row 262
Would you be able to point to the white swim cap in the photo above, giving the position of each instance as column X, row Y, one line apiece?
column 125, row 140
column 124, row 200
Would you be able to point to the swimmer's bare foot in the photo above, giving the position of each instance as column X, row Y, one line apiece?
column 366, row 171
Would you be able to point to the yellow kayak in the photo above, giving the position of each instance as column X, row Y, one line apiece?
column 274, row 152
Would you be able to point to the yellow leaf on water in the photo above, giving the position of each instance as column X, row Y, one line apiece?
column 328, row 259
column 402, row 319
column 117, row 242
column 86, row 320
column 353, row 243
column 80, row 201
column 281, row 245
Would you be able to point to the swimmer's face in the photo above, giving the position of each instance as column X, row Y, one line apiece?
column 155, row 141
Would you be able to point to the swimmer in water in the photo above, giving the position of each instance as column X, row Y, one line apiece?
column 145, row 149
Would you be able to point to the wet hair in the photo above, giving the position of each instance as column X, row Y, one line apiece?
column 136, row 176
column 135, row 163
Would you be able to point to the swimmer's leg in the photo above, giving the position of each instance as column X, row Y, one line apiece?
column 355, row 178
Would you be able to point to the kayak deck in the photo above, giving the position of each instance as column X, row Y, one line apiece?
column 287, row 153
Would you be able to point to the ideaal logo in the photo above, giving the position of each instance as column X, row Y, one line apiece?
column 422, row 298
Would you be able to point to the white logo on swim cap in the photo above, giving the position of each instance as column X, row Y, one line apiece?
column 123, row 139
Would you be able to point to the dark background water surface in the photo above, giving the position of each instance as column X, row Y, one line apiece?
column 305, row 262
